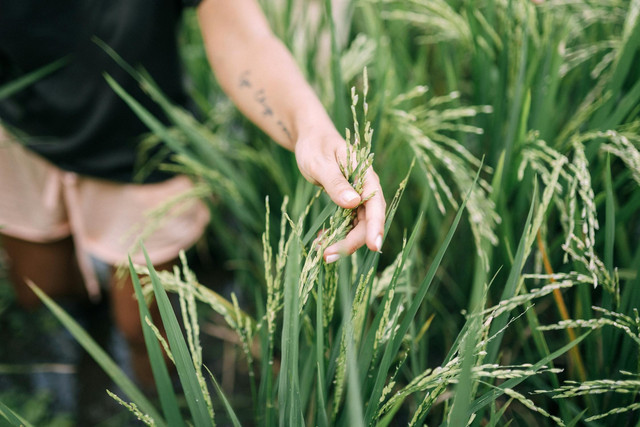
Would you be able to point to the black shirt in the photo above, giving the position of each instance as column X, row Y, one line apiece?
column 72, row 117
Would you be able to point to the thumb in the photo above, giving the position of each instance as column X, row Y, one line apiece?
column 338, row 188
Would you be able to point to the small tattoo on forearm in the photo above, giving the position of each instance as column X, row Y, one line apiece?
column 285, row 130
column 262, row 100
column 260, row 97
column 244, row 79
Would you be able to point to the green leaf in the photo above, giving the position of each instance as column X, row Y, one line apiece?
column 184, row 363
column 161, row 376
column 392, row 349
column 13, row 418
column 27, row 80
column 289, row 379
column 225, row 401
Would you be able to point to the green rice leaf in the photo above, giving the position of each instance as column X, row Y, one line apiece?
column 610, row 220
column 167, row 396
column 186, row 371
column 27, row 80
column 340, row 102
column 354, row 394
column 393, row 348
column 147, row 118
column 225, row 401
column 496, row 416
column 13, row 418
column 289, row 379
column 574, row 422
column 322, row 418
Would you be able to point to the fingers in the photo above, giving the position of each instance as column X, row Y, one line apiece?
column 375, row 208
column 348, row 245
column 320, row 164
column 369, row 224
column 337, row 187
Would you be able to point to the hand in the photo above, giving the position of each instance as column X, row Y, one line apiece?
column 318, row 160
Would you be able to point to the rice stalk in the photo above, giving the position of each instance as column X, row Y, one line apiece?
column 163, row 342
column 588, row 388
column 528, row 403
column 146, row 419
column 424, row 128
column 236, row 319
column 628, row 324
column 440, row 21
column 349, row 337
column 192, row 327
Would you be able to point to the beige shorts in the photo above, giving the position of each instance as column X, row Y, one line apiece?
column 41, row 203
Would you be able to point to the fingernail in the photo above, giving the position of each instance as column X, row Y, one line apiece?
column 378, row 243
column 349, row 196
column 332, row 258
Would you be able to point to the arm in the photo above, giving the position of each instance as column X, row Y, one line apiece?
column 259, row 74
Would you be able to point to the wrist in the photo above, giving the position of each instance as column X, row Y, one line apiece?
column 320, row 133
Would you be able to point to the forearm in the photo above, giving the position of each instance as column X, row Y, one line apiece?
column 261, row 77
column 259, row 74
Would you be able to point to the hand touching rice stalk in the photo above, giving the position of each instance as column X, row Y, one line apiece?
column 362, row 219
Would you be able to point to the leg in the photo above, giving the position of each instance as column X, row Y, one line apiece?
column 127, row 317
column 110, row 211
column 51, row 266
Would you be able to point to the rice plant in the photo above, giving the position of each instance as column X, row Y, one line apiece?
column 507, row 290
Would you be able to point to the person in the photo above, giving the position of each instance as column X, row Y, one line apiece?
column 67, row 187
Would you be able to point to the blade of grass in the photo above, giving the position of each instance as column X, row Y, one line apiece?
column 152, row 123
column 623, row 64
column 543, row 350
column 167, row 396
column 322, row 420
column 100, row 356
column 463, row 391
column 339, row 101
column 13, row 418
column 532, row 225
column 576, row 419
column 497, row 415
column 184, row 364
column 28, row 79
column 288, row 393
column 232, row 415
column 610, row 219
column 367, row 348
column 367, row 340
column 496, row 392
column 354, row 394
column 393, row 347
column 609, row 299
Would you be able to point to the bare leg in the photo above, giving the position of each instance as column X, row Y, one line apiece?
column 51, row 266
column 127, row 317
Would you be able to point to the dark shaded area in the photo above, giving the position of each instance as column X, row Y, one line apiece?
column 47, row 378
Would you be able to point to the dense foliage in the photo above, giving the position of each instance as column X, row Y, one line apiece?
column 507, row 288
